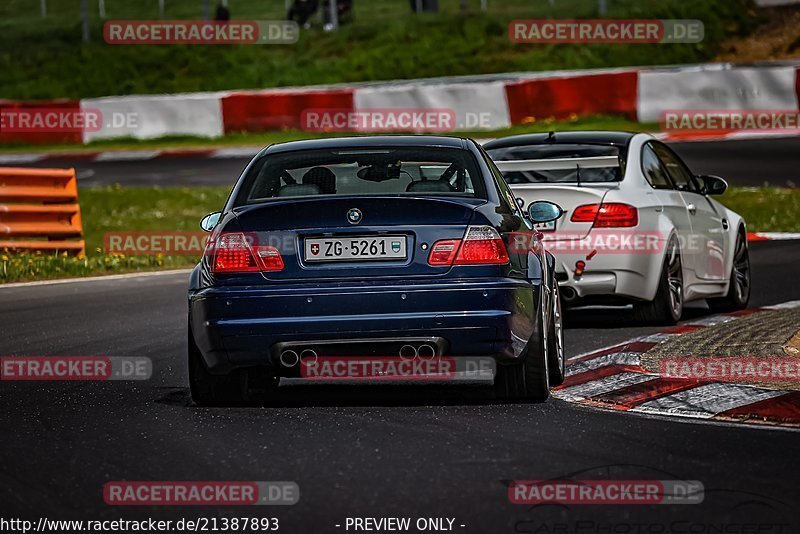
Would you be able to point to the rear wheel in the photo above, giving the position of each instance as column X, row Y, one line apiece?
column 739, row 290
column 241, row 387
column 527, row 380
column 667, row 307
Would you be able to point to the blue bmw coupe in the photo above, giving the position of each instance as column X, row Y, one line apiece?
column 410, row 247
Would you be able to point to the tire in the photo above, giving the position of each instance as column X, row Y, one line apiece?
column 233, row 389
column 667, row 307
column 739, row 288
column 527, row 381
column 557, row 361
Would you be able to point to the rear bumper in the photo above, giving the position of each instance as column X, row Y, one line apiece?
column 241, row 326
column 633, row 276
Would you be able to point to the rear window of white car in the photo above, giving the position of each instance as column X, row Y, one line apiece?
column 560, row 151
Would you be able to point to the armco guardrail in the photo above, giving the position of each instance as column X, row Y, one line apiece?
column 39, row 210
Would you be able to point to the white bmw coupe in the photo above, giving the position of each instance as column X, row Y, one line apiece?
column 638, row 226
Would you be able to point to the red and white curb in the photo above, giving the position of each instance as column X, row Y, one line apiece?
column 772, row 236
column 614, row 378
column 248, row 152
column 740, row 135
column 245, row 152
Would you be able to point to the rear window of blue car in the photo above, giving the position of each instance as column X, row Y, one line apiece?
column 412, row 171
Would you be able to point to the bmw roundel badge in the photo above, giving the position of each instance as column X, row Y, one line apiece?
column 354, row 216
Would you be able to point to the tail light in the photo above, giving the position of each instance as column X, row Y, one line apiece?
column 233, row 253
column 443, row 252
column 610, row 215
column 481, row 245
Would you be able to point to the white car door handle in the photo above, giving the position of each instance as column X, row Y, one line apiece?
column 691, row 208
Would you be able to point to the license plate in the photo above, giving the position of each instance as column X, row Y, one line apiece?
column 545, row 227
column 357, row 248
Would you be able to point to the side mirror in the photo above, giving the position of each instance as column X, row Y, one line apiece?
column 712, row 185
column 208, row 222
column 543, row 211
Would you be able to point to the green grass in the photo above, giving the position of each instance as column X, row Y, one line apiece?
column 45, row 58
column 146, row 209
column 267, row 138
column 766, row 209
column 116, row 209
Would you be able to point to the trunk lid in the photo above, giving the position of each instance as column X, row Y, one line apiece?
column 306, row 232
column 568, row 197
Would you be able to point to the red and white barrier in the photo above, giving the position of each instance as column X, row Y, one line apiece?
column 152, row 116
column 479, row 103
column 582, row 94
column 477, row 106
column 10, row 135
column 261, row 111
column 715, row 87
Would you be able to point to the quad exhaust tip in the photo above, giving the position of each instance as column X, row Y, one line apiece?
column 426, row 352
column 408, row 352
column 289, row 358
column 309, row 355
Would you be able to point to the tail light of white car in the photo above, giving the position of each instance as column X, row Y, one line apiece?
column 481, row 245
column 607, row 215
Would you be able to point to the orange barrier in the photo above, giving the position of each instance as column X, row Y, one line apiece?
column 42, row 204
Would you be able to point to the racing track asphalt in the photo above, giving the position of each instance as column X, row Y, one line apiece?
column 751, row 162
column 411, row 452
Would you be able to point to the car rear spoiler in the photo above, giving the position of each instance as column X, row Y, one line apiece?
column 558, row 164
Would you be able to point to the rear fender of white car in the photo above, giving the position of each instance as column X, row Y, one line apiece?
column 736, row 224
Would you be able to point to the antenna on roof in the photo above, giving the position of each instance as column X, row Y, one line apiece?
column 551, row 136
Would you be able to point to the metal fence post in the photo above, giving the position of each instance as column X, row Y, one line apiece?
column 334, row 15
column 85, row 19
